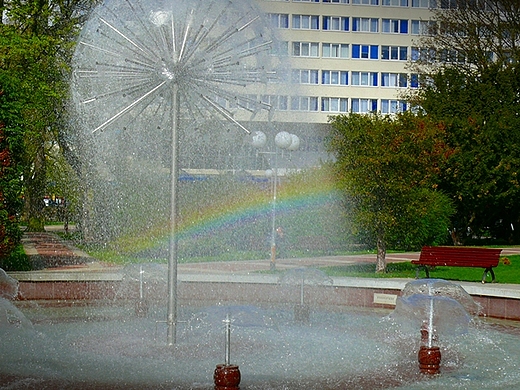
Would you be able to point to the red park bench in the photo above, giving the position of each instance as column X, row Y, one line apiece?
column 456, row 256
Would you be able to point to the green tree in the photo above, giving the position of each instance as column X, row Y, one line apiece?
column 482, row 115
column 388, row 168
column 11, row 147
column 471, row 36
column 473, row 86
column 36, row 44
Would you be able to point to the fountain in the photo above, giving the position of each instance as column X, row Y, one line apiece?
column 150, row 73
column 300, row 277
column 151, row 78
column 107, row 346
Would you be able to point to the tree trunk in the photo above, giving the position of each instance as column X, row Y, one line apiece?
column 35, row 191
column 381, row 256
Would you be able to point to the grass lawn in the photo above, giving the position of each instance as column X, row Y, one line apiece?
column 508, row 271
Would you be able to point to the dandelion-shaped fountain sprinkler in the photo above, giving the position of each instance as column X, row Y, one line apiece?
column 157, row 65
column 141, row 306
column 429, row 356
column 227, row 376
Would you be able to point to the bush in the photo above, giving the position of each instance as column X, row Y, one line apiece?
column 17, row 260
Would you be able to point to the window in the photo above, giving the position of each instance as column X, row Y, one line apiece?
column 335, row 23
column 448, row 4
column 395, row 26
column 446, row 55
column 399, row 53
column 414, row 80
column 365, row 51
column 366, row 2
column 283, row 104
column 306, row 22
column 280, row 48
column 279, row 20
column 334, row 77
column 422, row 54
column 422, row 27
column 363, row 105
column 275, row 101
column 305, row 49
column 305, row 76
column 335, row 50
column 364, row 79
column 392, row 106
column 394, row 80
column 365, row 24
column 416, row 54
column 424, row 3
column 336, row 1
column 395, row 3
column 304, row 103
column 331, row 104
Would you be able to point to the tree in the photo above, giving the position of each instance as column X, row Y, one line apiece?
column 36, row 44
column 472, row 35
column 482, row 117
column 11, row 147
column 388, row 168
column 473, row 86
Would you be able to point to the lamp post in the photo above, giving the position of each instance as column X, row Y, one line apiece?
column 283, row 141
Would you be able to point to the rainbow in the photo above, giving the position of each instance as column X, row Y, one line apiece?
column 234, row 214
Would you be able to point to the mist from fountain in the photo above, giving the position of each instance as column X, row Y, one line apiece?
column 108, row 346
column 141, row 69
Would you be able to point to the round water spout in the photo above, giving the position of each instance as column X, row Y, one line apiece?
column 226, row 377
column 429, row 360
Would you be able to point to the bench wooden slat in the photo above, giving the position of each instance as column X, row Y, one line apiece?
column 486, row 258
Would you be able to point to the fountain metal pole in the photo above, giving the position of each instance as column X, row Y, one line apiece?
column 227, row 376
column 141, row 306
column 228, row 341
column 272, row 264
column 172, row 259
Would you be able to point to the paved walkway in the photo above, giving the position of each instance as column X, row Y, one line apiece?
column 59, row 260
column 50, row 252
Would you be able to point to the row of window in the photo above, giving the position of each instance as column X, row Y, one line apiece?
column 356, row 51
column 353, row 24
column 354, row 78
column 344, row 105
column 389, row 3
column 318, row 104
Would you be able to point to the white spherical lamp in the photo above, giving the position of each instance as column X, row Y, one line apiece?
column 295, row 142
column 283, row 139
column 258, row 139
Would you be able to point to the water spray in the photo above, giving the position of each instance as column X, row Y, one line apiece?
column 227, row 375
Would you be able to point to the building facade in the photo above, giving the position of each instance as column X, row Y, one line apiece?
column 346, row 55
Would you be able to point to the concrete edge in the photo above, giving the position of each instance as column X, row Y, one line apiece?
column 472, row 288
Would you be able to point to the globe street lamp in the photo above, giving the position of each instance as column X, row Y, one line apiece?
column 282, row 141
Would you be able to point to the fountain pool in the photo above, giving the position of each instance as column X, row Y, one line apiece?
column 106, row 346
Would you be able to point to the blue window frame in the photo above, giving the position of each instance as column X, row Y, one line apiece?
column 365, row 51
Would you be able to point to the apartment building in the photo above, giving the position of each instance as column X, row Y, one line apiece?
column 346, row 55
column 341, row 56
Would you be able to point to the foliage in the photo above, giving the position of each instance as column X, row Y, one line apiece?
column 16, row 260
column 472, row 37
column 475, row 92
column 482, row 115
column 388, row 168
column 11, row 146
column 36, row 43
